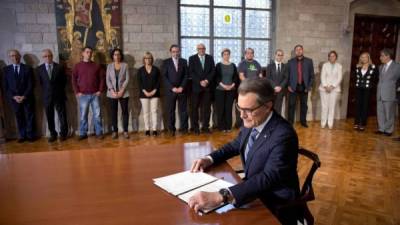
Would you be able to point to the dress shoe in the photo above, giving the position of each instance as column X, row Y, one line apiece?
column 387, row 134
column 147, row 133
column 63, row 138
column 100, row 136
column 184, row 131
column 379, row 132
column 126, row 135
column 21, row 140
column 82, row 137
column 304, row 125
column 52, row 139
column 361, row 128
column 114, row 135
column 31, row 139
column 155, row 133
column 206, row 130
column 355, row 127
column 196, row 131
column 172, row 133
column 396, row 139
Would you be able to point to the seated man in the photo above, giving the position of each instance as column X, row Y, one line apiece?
column 268, row 147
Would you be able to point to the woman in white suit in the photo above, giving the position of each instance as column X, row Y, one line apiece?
column 117, row 79
column 329, row 89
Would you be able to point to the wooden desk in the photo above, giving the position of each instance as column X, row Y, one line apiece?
column 108, row 186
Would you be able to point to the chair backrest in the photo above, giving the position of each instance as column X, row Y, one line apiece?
column 307, row 192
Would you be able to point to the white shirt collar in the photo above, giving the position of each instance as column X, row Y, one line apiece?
column 388, row 63
column 276, row 62
column 260, row 127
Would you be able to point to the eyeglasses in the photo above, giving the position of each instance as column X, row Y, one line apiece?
column 279, row 55
column 147, row 58
column 201, row 48
column 246, row 110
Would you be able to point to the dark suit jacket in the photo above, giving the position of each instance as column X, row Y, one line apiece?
column 275, row 78
column 18, row 87
column 197, row 73
column 173, row 78
column 271, row 167
column 308, row 73
column 54, row 89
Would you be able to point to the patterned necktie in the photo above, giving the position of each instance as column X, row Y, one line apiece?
column 202, row 61
column 49, row 71
column 279, row 68
column 250, row 142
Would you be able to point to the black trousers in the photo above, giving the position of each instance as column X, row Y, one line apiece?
column 182, row 110
column 201, row 100
column 278, row 102
column 114, row 113
column 303, row 105
column 59, row 106
column 24, row 115
column 224, row 102
column 362, row 105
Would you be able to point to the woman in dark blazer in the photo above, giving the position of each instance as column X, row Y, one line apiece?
column 226, row 80
column 365, row 73
column 117, row 79
column 149, row 86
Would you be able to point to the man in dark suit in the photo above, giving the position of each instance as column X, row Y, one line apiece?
column 268, row 147
column 201, row 70
column 18, row 87
column 53, row 81
column 174, row 71
column 277, row 75
column 300, row 81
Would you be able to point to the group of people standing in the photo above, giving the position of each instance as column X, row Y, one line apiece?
column 211, row 85
column 387, row 89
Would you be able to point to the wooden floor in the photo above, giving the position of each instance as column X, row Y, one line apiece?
column 358, row 183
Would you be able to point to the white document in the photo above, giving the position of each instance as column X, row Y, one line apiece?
column 182, row 182
column 185, row 184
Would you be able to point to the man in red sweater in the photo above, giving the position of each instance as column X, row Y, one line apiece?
column 88, row 83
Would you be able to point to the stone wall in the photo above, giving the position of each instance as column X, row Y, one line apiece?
column 152, row 25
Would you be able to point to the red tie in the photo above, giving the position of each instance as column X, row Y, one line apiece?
column 299, row 72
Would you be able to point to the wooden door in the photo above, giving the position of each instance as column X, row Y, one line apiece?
column 371, row 34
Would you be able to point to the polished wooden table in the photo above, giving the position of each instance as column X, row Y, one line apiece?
column 108, row 186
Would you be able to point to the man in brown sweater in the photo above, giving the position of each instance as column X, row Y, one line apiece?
column 88, row 83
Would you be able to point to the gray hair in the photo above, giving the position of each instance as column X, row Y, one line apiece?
column 259, row 86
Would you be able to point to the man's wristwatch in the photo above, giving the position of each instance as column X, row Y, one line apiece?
column 226, row 194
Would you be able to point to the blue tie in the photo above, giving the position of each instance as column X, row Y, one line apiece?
column 250, row 142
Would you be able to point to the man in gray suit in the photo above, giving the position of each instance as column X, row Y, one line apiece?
column 389, row 73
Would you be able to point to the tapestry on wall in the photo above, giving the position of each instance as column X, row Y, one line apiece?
column 94, row 23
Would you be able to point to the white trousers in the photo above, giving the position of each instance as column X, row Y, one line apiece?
column 150, row 112
column 328, row 105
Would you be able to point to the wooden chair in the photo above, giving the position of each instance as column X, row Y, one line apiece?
column 307, row 191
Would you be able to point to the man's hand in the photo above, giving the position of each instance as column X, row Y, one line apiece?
column 290, row 89
column 114, row 94
column 200, row 165
column 175, row 90
column 97, row 93
column 78, row 94
column 180, row 89
column 205, row 200
column 204, row 83
column 278, row 89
